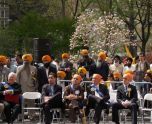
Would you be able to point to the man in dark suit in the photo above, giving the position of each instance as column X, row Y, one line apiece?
column 66, row 66
column 98, row 96
column 52, row 97
column 86, row 62
column 102, row 66
column 126, row 99
column 43, row 71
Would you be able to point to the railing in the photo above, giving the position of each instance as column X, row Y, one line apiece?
column 111, row 82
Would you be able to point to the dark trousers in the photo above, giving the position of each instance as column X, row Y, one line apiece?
column 116, row 106
column 11, row 111
column 97, row 104
column 55, row 102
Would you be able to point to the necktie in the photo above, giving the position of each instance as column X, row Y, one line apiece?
column 126, row 89
column 52, row 91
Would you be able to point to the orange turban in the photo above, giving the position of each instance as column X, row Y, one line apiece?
column 84, row 52
column 65, row 56
column 3, row 59
column 61, row 74
column 102, row 55
column 78, row 77
column 97, row 76
column 82, row 70
column 46, row 59
column 128, row 76
column 116, row 74
column 27, row 57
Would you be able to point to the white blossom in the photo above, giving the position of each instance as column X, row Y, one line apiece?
column 106, row 32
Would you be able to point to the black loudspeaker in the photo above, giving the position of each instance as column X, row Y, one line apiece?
column 41, row 47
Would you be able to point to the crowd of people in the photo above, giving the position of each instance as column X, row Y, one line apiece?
column 74, row 93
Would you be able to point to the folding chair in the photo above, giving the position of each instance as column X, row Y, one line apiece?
column 31, row 96
column 148, row 98
column 57, row 115
column 123, row 112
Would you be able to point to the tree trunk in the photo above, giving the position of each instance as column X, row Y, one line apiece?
column 63, row 8
column 143, row 47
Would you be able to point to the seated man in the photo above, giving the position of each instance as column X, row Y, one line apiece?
column 10, row 96
column 73, row 97
column 98, row 96
column 126, row 99
column 52, row 97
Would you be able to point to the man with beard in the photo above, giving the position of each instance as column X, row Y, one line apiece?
column 87, row 63
column 26, row 77
column 129, row 66
column 117, row 65
column 26, row 74
column 66, row 66
column 102, row 66
column 43, row 71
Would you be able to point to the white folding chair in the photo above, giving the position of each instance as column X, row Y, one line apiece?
column 31, row 96
column 148, row 98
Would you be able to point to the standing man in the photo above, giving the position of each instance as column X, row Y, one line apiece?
column 27, row 78
column 141, row 68
column 26, row 74
column 87, row 62
column 4, row 71
column 43, row 71
column 126, row 99
column 66, row 66
column 98, row 96
column 52, row 97
column 102, row 66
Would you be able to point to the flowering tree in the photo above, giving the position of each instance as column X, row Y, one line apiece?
column 106, row 32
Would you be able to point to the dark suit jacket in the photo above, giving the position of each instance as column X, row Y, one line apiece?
column 46, row 91
column 122, row 95
column 57, row 90
column 69, row 91
column 42, row 76
column 102, row 88
column 89, row 64
column 65, row 65
column 16, row 89
column 103, row 70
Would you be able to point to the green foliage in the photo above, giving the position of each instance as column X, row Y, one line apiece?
column 60, row 31
column 34, row 25
column 7, row 43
